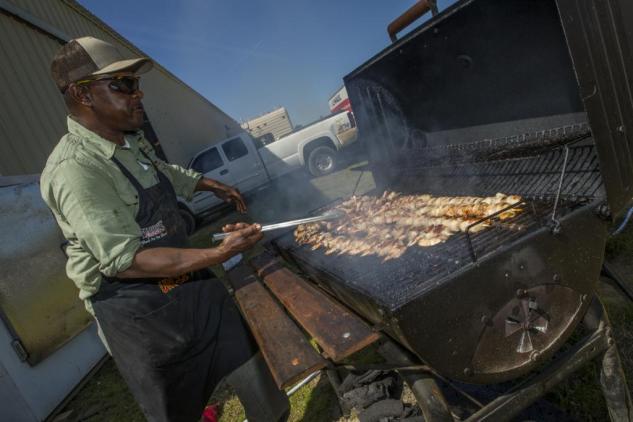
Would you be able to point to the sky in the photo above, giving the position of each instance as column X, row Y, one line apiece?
column 249, row 57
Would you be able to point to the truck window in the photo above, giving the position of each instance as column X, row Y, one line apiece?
column 234, row 149
column 208, row 161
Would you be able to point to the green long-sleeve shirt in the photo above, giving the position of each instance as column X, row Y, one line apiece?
column 94, row 203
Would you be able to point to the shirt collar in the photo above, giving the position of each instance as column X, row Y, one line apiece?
column 96, row 143
column 132, row 140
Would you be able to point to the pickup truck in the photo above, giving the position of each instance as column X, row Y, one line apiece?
column 250, row 164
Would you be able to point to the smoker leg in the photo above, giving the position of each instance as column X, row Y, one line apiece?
column 334, row 378
column 614, row 388
column 612, row 380
column 426, row 391
column 335, row 381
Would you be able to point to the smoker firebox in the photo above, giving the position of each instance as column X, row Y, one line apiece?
column 494, row 96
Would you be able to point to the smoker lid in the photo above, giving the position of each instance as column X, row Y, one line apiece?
column 601, row 48
column 539, row 60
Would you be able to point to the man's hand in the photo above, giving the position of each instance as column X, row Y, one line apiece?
column 242, row 237
column 224, row 192
column 231, row 195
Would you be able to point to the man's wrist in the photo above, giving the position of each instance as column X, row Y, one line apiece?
column 222, row 253
column 209, row 185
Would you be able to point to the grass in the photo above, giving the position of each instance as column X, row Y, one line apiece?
column 106, row 398
column 311, row 403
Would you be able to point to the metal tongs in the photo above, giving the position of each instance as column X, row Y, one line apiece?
column 329, row 215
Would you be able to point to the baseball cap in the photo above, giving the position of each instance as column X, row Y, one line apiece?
column 85, row 57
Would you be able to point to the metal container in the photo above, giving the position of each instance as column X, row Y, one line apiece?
column 38, row 303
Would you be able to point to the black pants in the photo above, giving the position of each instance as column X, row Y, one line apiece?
column 173, row 348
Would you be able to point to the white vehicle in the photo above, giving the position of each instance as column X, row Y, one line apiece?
column 314, row 146
column 247, row 164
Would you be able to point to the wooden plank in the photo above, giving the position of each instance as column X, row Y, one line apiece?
column 284, row 346
column 240, row 276
column 336, row 329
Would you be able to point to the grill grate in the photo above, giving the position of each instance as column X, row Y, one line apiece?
column 419, row 268
column 531, row 167
column 534, row 177
column 527, row 144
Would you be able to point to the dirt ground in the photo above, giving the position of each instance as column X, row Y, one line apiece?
column 106, row 398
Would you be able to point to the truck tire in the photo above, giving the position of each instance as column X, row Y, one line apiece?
column 322, row 161
column 189, row 219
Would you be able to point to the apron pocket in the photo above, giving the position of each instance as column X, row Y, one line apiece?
column 166, row 333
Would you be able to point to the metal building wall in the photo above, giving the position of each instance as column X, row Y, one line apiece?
column 32, row 113
column 31, row 109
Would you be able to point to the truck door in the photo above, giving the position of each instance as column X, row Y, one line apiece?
column 244, row 164
column 213, row 166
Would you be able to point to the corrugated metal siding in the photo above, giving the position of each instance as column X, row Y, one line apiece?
column 276, row 122
column 32, row 111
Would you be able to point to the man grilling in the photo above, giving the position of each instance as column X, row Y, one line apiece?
column 173, row 331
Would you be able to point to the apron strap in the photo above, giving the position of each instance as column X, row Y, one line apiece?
column 133, row 180
column 161, row 176
column 149, row 159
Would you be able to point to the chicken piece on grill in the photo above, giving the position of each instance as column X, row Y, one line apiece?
column 387, row 225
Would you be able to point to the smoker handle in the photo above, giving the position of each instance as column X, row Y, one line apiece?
column 414, row 12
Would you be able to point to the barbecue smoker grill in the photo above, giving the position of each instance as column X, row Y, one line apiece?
column 524, row 97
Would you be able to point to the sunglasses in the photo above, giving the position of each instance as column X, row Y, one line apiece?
column 123, row 84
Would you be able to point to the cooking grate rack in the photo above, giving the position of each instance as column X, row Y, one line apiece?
column 515, row 146
column 393, row 282
column 536, row 177
column 551, row 182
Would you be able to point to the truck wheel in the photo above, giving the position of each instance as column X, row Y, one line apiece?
column 189, row 219
column 322, row 161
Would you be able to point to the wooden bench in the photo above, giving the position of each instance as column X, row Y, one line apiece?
column 338, row 331
column 285, row 347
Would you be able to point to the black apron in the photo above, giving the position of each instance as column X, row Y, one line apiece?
column 174, row 339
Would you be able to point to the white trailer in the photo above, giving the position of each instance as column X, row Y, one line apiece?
column 270, row 126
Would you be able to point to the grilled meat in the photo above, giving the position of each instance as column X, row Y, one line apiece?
column 389, row 224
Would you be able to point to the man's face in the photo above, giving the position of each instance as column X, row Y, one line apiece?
column 118, row 110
